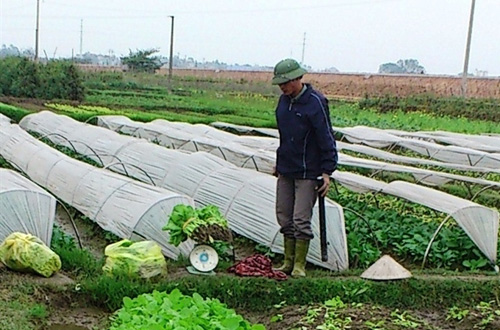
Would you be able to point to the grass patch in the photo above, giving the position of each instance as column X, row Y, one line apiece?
column 470, row 108
column 14, row 113
column 260, row 294
column 19, row 308
column 351, row 114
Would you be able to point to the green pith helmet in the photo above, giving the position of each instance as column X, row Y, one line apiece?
column 286, row 70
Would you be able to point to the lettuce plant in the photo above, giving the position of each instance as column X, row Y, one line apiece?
column 175, row 311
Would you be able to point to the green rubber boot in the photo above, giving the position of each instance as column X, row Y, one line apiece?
column 289, row 245
column 301, row 249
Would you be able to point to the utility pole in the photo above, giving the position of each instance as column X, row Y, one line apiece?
column 171, row 58
column 37, row 28
column 81, row 38
column 467, row 50
column 303, row 48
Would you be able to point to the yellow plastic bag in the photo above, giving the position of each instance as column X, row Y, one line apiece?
column 27, row 253
column 142, row 259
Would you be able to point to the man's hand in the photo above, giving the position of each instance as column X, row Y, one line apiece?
column 275, row 172
column 326, row 184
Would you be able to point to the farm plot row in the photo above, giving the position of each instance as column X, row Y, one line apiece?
column 419, row 241
column 482, row 316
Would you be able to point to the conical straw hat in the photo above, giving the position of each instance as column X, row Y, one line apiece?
column 386, row 269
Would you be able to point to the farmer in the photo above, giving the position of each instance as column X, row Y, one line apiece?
column 307, row 153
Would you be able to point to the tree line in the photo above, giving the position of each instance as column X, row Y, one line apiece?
column 22, row 77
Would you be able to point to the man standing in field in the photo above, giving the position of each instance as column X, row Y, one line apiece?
column 307, row 153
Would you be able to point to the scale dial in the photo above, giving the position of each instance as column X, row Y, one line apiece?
column 204, row 258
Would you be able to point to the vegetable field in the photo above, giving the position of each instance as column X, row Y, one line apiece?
column 421, row 184
column 374, row 85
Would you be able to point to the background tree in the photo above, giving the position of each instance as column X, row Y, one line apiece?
column 390, row 68
column 142, row 61
column 27, row 82
column 8, row 74
column 15, row 51
column 22, row 77
column 9, row 51
column 61, row 80
column 410, row 66
column 73, row 82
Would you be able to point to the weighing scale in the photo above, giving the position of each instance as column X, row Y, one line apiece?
column 203, row 260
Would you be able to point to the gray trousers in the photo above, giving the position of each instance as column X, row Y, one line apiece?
column 295, row 199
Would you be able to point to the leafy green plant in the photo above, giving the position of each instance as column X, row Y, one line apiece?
column 405, row 229
column 487, row 314
column 352, row 292
column 280, row 305
column 5, row 164
column 277, row 318
column 312, row 314
column 265, row 250
column 61, row 240
column 404, row 319
column 335, row 303
column 326, row 316
column 474, row 264
column 375, row 325
column 164, row 311
column 458, row 314
column 110, row 237
column 38, row 311
column 205, row 226
column 73, row 258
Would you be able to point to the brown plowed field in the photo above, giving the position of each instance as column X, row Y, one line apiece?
column 359, row 85
column 353, row 86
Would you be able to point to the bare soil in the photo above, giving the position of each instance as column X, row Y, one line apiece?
column 57, row 294
column 368, row 317
column 359, row 85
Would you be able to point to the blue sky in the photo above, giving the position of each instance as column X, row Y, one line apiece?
column 351, row 35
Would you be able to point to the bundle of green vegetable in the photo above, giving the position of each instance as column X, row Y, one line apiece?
column 204, row 226
column 27, row 253
column 175, row 311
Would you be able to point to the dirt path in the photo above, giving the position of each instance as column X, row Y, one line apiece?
column 23, row 294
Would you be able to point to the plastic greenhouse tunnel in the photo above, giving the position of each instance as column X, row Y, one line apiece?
column 25, row 207
column 245, row 197
column 479, row 222
column 121, row 205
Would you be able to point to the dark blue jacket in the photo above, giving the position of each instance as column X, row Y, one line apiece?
column 307, row 146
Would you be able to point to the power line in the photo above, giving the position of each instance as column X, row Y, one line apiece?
column 154, row 13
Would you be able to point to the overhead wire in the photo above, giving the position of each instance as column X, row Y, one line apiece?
column 154, row 13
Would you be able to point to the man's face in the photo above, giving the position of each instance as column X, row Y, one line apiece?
column 291, row 88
